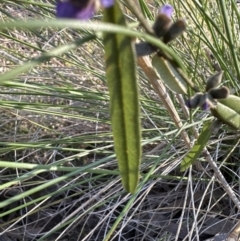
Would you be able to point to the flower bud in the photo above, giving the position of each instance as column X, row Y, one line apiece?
column 214, row 80
column 144, row 48
column 162, row 24
column 219, row 93
column 199, row 99
column 80, row 9
column 175, row 30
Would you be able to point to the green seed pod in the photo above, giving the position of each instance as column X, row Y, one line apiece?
column 227, row 115
column 214, row 81
column 219, row 93
column 232, row 102
column 228, row 111
column 175, row 30
column 162, row 25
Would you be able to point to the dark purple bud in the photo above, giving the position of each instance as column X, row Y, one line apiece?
column 188, row 104
column 195, row 101
column 161, row 25
column 163, row 20
column 214, row 81
column 219, row 93
column 144, row 48
column 175, row 30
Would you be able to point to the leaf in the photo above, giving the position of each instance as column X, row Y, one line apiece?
column 197, row 148
column 124, row 100
column 233, row 102
column 169, row 75
column 228, row 111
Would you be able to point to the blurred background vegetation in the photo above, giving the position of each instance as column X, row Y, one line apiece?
column 59, row 178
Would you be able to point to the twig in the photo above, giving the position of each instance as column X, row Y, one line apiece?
column 160, row 89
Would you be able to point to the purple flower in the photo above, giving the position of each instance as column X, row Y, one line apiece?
column 198, row 100
column 80, row 9
column 167, row 9
column 205, row 106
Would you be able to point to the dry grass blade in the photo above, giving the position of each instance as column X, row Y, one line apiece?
column 159, row 87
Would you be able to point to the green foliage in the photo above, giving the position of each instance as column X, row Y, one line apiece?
column 123, row 89
column 58, row 164
column 169, row 75
column 232, row 102
column 197, row 148
column 228, row 111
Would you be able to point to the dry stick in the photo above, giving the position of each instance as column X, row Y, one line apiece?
column 160, row 89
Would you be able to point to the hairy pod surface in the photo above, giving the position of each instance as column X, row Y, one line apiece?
column 219, row 93
column 214, row 80
column 162, row 25
column 175, row 30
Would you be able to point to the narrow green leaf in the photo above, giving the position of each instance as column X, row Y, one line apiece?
column 146, row 11
column 196, row 150
column 124, row 102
